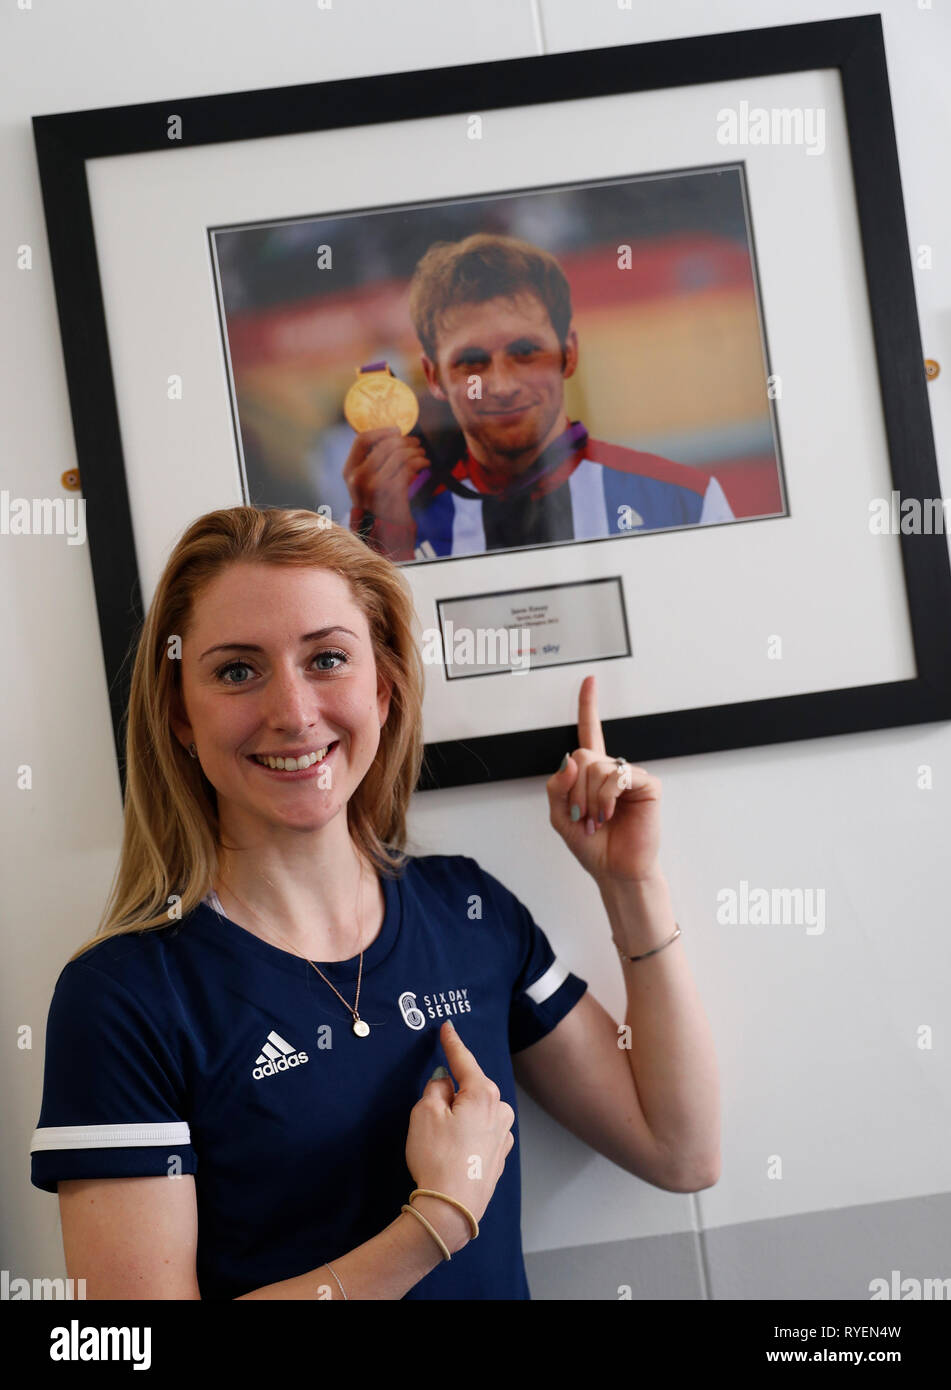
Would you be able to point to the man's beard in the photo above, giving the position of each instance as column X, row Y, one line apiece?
column 513, row 453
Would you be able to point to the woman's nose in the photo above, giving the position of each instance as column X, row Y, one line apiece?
column 291, row 701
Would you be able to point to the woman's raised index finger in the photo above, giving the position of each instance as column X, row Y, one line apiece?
column 590, row 734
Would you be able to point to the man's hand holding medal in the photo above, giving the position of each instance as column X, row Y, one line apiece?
column 385, row 458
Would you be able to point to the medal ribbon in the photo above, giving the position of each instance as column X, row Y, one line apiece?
column 549, row 460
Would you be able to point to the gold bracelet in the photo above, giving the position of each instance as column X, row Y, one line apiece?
column 428, row 1192
column 430, row 1228
column 645, row 954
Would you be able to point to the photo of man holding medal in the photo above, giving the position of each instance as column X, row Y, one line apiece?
column 493, row 316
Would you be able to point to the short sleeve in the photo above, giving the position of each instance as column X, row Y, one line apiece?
column 113, row 1091
column 543, row 988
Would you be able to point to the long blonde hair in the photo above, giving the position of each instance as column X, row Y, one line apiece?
column 169, row 846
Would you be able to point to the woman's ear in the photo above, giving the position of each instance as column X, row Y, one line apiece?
column 178, row 719
column 384, row 692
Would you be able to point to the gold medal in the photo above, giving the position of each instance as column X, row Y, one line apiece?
column 377, row 398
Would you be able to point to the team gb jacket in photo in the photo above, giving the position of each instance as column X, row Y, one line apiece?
column 200, row 1048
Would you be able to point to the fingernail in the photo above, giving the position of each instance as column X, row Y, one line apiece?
column 449, row 1026
column 589, row 826
column 564, row 763
column 576, row 813
column 438, row 1074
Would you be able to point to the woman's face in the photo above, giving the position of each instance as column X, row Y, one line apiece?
column 279, row 661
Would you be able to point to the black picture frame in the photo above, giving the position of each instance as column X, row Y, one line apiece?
column 854, row 46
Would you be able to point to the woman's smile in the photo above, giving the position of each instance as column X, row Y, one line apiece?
column 309, row 765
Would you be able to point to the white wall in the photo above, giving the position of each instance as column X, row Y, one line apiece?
column 816, row 1035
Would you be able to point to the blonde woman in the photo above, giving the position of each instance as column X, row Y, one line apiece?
column 239, row 1096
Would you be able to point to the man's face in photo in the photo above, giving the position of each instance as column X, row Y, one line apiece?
column 510, row 344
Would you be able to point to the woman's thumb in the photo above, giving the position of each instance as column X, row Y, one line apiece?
column 559, row 786
column 565, row 776
column 443, row 1083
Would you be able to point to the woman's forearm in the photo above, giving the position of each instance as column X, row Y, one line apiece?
column 671, row 1054
column 387, row 1266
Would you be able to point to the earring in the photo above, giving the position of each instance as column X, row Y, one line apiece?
column 193, row 750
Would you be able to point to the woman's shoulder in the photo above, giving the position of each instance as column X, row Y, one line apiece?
column 135, row 958
column 453, row 873
column 439, row 867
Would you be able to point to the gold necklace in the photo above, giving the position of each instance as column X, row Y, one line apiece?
column 359, row 1027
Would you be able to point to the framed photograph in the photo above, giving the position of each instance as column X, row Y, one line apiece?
column 629, row 376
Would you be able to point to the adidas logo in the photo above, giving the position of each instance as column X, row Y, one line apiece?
column 277, row 1055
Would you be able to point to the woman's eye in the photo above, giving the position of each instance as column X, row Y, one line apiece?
column 330, row 656
column 323, row 657
column 233, row 666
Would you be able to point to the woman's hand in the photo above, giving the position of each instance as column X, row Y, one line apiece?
column 448, row 1128
column 615, row 834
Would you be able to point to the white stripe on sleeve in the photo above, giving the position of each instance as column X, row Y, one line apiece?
column 553, row 978
column 110, row 1136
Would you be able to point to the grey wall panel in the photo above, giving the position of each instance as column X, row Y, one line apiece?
column 656, row 1267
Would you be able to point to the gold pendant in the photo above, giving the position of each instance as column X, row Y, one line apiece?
column 360, row 1028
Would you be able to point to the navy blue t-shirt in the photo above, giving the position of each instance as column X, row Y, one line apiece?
column 200, row 1048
